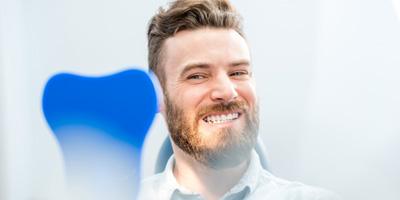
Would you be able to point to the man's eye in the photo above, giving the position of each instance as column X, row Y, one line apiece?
column 196, row 77
column 239, row 73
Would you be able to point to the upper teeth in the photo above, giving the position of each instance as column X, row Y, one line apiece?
column 221, row 118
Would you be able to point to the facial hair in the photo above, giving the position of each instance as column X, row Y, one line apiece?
column 233, row 146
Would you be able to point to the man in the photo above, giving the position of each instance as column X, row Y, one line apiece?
column 198, row 51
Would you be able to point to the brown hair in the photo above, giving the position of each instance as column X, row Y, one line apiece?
column 187, row 15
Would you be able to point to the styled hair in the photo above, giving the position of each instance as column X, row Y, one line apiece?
column 187, row 15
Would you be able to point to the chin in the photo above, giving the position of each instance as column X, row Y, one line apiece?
column 227, row 158
column 230, row 149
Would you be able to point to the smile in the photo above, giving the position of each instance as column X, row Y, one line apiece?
column 219, row 119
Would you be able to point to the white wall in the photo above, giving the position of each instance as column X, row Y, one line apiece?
column 326, row 75
column 353, row 108
column 15, row 141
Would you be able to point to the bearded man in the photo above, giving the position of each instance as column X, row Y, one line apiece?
column 199, row 53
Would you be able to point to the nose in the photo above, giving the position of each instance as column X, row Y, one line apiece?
column 223, row 89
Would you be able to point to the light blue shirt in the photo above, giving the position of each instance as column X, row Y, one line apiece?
column 255, row 184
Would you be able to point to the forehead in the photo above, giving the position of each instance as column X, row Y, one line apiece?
column 215, row 47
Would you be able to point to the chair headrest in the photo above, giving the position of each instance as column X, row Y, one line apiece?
column 100, row 124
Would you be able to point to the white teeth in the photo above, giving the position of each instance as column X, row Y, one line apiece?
column 216, row 119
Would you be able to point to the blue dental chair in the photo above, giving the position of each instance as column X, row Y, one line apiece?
column 100, row 124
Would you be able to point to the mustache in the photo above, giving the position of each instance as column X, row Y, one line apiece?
column 222, row 107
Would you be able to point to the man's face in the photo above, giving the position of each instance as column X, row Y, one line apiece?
column 210, row 101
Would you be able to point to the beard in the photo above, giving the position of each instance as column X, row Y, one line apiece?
column 232, row 146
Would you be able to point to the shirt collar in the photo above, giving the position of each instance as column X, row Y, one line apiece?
column 249, row 179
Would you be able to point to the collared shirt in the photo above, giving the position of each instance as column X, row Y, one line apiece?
column 255, row 184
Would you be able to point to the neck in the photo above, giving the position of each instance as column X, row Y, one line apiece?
column 208, row 182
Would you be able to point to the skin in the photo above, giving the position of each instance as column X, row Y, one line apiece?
column 205, row 67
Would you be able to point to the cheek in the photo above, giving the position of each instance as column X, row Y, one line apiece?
column 191, row 98
column 187, row 100
column 248, row 92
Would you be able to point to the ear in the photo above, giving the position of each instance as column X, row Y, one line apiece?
column 159, row 91
column 161, row 108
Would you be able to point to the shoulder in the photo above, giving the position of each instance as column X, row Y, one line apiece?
column 278, row 188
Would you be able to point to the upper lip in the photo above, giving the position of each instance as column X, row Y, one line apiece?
column 221, row 113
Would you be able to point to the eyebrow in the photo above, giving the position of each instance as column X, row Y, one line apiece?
column 240, row 63
column 200, row 65
column 194, row 66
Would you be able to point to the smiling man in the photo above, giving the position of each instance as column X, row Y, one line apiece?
column 211, row 106
column 198, row 51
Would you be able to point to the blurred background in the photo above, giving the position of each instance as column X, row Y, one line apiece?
column 327, row 74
